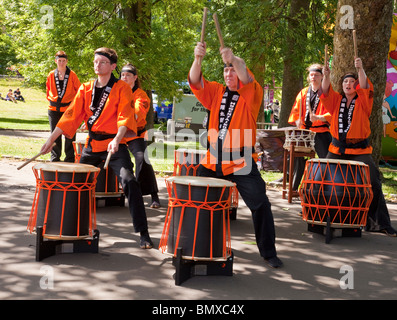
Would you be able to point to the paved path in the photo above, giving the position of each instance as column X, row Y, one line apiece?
column 121, row 270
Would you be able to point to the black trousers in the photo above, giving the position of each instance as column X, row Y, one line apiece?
column 252, row 189
column 143, row 169
column 378, row 214
column 56, row 152
column 321, row 143
column 121, row 164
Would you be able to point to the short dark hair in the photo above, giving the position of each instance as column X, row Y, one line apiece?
column 109, row 53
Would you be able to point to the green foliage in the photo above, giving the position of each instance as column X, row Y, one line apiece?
column 159, row 36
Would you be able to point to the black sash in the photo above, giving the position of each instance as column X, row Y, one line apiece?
column 342, row 145
column 97, row 110
column 345, row 117
column 228, row 104
column 60, row 91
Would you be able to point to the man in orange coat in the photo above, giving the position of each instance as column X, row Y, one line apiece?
column 231, row 127
column 105, row 105
column 308, row 106
column 62, row 84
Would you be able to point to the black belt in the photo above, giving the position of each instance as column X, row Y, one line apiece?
column 99, row 136
column 342, row 145
column 322, row 126
column 59, row 105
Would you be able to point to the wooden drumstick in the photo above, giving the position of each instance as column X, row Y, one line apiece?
column 203, row 29
column 33, row 158
column 355, row 44
column 300, row 109
column 218, row 30
column 326, row 55
column 107, row 160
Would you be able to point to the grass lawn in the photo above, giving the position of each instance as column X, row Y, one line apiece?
column 29, row 115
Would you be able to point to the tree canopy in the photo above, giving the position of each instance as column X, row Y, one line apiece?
column 158, row 36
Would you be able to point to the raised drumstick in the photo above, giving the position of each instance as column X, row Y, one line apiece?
column 218, row 30
column 203, row 28
column 355, row 44
column 32, row 159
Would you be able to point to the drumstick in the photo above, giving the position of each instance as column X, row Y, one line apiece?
column 33, row 158
column 300, row 108
column 107, row 160
column 326, row 55
column 203, row 29
column 355, row 44
column 218, row 30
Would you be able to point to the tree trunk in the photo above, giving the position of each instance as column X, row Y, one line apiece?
column 296, row 44
column 138, row 17
column 372, row 20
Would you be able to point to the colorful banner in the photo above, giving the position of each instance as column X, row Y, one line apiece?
column 389, row 106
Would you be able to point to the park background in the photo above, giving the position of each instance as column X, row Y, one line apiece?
column 278, row 39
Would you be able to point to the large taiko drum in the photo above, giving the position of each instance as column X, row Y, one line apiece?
column 197, row 218
column 302, row 139
column 107, row 182
column 64, row 201
column 337, row 190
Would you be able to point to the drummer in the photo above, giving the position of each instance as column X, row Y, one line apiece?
column 105, row 107
column 309, row 113
column 137, row 145
column 350, row 109
column 233, row 110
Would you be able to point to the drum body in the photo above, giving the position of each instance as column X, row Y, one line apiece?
column 107, row 182
column 197, row 218
column 302, row 139
column 338, row 189
column 64, row 201
column 187, row 161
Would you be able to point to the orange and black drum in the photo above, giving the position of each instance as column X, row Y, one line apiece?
column 64, row 201
column 197, row 219
column 336, row 192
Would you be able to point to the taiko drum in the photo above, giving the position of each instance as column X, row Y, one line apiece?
column 64, row 200
column 197, row 218
column 338, row 189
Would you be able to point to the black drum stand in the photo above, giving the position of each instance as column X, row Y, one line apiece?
column 330, row 231
column 49, row 247
column 186, row 269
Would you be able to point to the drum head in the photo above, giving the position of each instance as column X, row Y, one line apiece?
column 201, row 181
column 65, row 167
